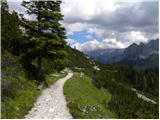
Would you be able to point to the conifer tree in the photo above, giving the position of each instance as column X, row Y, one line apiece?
column 10, row 31
column 44, row 34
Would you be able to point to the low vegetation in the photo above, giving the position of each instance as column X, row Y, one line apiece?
column 52, row 78
column 19, row 92
column 85, row 100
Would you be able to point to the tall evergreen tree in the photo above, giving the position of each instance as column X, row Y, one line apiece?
column 44, row 34
column 11, row 33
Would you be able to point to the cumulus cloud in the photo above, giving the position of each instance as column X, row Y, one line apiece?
column 135, row 21
column 95, row 44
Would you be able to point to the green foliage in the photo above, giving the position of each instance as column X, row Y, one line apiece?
column 146, row 80
column 23, row 43
column 20, row 99
column 18, row 93
column 44, row 35
column 10, row 31
column 141, row 64
column 129, row 106
column 125, row 102
column 85, row 100
column 118, row 79
column 78, row 62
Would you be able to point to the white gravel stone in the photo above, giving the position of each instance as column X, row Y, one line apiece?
column 51, row 104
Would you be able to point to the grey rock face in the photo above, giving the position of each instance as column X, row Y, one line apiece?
column 145, row 50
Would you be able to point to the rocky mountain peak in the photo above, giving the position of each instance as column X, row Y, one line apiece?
column 142, row 49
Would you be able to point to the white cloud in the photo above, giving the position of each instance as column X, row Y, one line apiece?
column 134, row 37
column 137, row 36
column 89, row 45
column 75, row 27
column 127, row 21
column 112, row 43
column 95, row 44
column 85, row 10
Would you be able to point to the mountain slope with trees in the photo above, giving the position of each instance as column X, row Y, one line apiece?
column 32, row 49
column 119, row 81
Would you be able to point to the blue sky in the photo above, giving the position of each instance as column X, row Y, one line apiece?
column 83, row 36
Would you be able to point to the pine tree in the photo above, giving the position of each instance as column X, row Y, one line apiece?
column 11, row 33
column 44, row 35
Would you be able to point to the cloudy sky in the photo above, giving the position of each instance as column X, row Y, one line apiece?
column 101, row 24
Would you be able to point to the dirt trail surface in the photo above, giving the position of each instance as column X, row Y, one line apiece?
column 51, row 104
column 143, row 97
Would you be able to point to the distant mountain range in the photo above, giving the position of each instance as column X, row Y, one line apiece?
column 142, row 50
column 144, row 55
column 106, row 55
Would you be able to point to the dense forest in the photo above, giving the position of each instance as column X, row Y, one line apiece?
column 124, row 102
column 146, row 81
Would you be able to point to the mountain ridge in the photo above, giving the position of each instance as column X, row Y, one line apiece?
column 134, row 53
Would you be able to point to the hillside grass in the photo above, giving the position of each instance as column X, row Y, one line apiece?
column 22, row 100
column 85, row 100
column 18, row 93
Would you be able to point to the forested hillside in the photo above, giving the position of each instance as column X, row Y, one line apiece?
column 119, row 80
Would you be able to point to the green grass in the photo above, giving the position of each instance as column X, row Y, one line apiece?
column 21, row 98
column 18, row 97
column 51, row 79
column 85, row 100
column 18, row 93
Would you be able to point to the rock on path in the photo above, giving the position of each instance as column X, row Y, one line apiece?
column 51, row 104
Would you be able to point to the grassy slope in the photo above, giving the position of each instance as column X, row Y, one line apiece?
column 51, row 79
column 85, row 100
column 18, row 92
column 78, row 60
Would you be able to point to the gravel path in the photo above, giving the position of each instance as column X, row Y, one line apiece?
column 51, row 104
column 143, row 97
